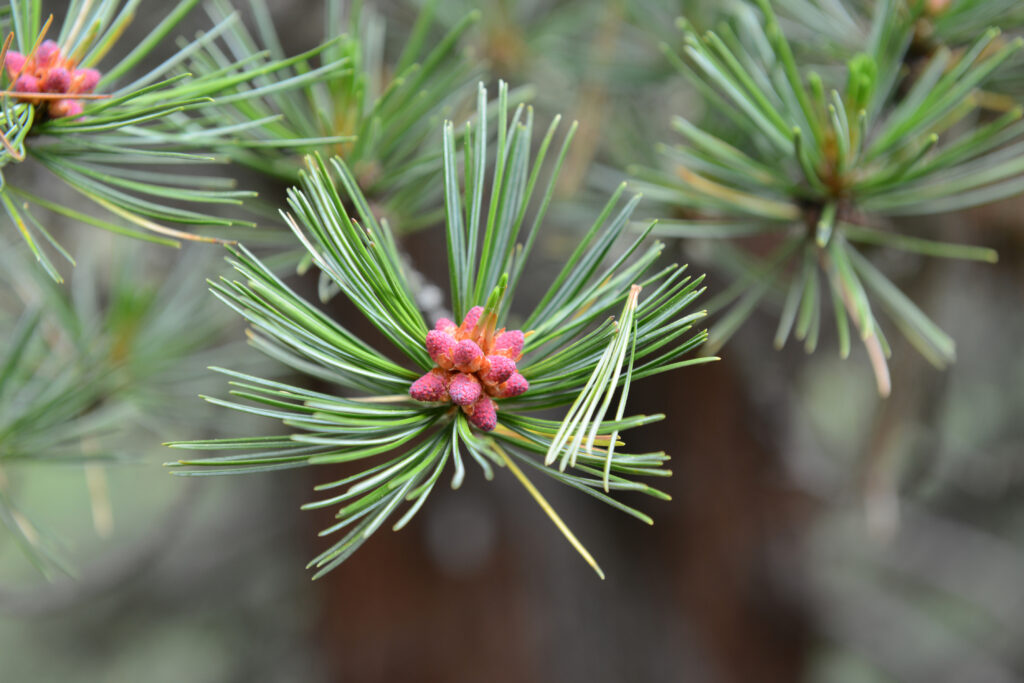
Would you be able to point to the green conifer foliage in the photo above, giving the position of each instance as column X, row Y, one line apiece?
column 821, row 166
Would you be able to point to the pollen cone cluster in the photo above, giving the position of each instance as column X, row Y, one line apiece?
column 47, row 70
column 476, row 364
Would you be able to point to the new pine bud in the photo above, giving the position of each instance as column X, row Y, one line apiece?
column 431, row 387
column 14, row 61
column 497, row 369
column 62, row 108
column 513, row 386
column 485, row 414
column 85, row 80
column 464, row 389
column 47, row 53
column 510, row 344
column 58, row 80
column 470, row 321
column 467, row 356
column 446, row 325
column 26, row 83
column 440, row 346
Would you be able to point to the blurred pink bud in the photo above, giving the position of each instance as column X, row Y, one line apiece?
column 47, row 53
column 484, row 415
column 446, row 325
column 14, row 61
column 516, row 384
column 509, row 344
column 26, row 83
column 467, row 356
column 57, row 80
column 464, row 389
column 61, row 108
column 440, row 346
column 499, row 369
column 430, row 387
column 471, row 319
column 84, row 80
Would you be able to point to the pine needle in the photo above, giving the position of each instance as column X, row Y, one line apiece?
column 548, row 510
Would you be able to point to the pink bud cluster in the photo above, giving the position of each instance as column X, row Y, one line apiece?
column 46, row 70
column 475, row 365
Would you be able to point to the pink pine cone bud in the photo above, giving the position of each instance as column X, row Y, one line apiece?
column 14, row 61
column 471, row 319
column 509, row 344
column 26, row 83
column 484, row 415
column 440, row 346
column 464, row 389
column 513, row 386
column 84, row 80
column 499, row 369
column 467, row 356
column 446, row 325
column 47, row 53
column 430, row 387
column 61, row 108
column 58, row 80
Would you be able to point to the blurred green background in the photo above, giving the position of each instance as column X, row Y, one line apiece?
column 817, row 532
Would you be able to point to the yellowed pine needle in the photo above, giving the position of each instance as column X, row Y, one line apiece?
column 508, row 433
column 762, row 205
column 109, row 42
column 39, row 38
column 10, row 150
column 17, row 218
column 627, row 314
column 6, row 47
column 99, row 499
column 586, row 307
column 390, row 398
column 873, row 345
column 55, row 95
column 548, row 510
column 599, row 440
column 878, row 363
column 156, row 227
column 27, row 530
column 995, row 101
column 83, row 13
column 3, row 138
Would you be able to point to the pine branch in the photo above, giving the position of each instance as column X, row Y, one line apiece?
column 820, row 166
column 86, row 377
column 166, row 119
column 482, row 381
column 382, row 126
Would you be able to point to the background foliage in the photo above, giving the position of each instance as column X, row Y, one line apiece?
column 816, row 532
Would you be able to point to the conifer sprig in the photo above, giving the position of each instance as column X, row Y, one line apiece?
column 87, row 377
column 127, row 142
column 403, row 445
column 840, row 28
column 382, row 125
column 825, row 170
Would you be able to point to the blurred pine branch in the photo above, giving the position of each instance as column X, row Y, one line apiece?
column 126, row 141
column 820, row 166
